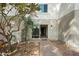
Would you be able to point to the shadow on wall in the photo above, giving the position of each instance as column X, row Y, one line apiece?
column 64, row 25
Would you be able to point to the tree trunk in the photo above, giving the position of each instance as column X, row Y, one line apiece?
column 9, row 46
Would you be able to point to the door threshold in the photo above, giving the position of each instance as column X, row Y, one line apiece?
column 43, row 39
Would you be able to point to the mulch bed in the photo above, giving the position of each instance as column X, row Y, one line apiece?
column 27, row 49
column 24, row 49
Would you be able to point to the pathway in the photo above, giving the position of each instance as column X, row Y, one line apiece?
column 47, row 49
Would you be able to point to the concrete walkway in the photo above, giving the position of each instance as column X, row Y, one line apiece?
column 47, row 49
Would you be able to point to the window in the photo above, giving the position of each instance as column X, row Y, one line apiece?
column 43, row 7
column 35, row 33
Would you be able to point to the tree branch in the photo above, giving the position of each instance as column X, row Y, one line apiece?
column 19, row 23
column 10, row 10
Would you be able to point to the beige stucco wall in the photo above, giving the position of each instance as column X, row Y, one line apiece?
column 52, row 17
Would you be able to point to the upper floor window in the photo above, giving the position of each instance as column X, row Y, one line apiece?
column 43, row 7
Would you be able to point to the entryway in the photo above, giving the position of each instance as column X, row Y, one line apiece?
column 43, row 31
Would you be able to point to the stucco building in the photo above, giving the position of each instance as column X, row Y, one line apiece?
column 57, row 21
column 54, row 21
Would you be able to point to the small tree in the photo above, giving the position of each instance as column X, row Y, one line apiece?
column 28, row 23
column 6, row 28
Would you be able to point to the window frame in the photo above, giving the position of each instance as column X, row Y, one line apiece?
column 42, row 8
